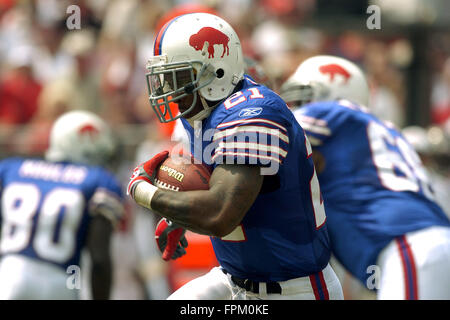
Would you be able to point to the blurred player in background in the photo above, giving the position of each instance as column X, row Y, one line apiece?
column 433, row 147
column 268, row 229
column 385, row 226
column 52, row 209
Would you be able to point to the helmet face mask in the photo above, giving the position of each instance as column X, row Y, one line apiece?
column 297, row 95
column 173, row 82
column 197, row 63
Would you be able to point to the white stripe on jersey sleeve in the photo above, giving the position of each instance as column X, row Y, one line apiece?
column 244, row 154
column 312, row 120
column 250, row 129
column 245, row 121
column 314, row 125
column 252, row 146
column 315, row 129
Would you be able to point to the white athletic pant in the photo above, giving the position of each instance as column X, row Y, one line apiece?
column 416, row 266
column 22, row 278
column 216, row 285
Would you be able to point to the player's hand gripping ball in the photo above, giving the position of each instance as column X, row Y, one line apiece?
column 146, row 171
column 179, row 174
column 176, row 175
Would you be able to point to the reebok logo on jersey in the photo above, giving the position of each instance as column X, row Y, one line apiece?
column 248, row 112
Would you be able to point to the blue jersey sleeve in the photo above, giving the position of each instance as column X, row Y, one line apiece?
column 321, row 120
column 6, row 166
column 253, row 130
column 313, row 123
column 2, row 166
column 107, row 198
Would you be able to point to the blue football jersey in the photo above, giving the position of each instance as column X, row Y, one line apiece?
column 284, row 234
column 46, row 207
column 373, row 183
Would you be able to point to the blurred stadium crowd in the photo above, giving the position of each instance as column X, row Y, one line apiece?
column 47, row 69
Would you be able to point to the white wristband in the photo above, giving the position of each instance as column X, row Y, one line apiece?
column 143, row 194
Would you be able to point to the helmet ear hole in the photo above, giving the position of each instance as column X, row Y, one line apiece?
column 220, row 73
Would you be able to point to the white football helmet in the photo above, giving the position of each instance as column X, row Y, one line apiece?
column 322, row 78
column 80, row 137
column 193, row 53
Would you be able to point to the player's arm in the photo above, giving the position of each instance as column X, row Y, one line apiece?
column 319, row 161
column 98, row 243
column 106, row 209
column 217, row 211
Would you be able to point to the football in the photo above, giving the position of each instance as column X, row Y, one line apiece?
column 180, row 176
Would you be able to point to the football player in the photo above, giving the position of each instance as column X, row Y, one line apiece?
column 252, row 69
column 433, row 149
column 385, row 226
column 52, row 209
column 263, row 210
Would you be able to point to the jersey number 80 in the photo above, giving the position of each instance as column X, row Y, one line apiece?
column 49, row 223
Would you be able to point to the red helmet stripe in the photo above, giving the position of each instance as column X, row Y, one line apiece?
column 160, row 36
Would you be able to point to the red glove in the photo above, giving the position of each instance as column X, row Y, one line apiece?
column 170, row 239
column 146, row 171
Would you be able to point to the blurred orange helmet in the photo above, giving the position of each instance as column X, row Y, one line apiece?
column 183, row 9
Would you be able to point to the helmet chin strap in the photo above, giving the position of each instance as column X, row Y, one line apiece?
column 202, row 114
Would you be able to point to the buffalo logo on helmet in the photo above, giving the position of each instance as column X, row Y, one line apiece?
column 88, row 130
column 334, row 69
column 213, row 37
